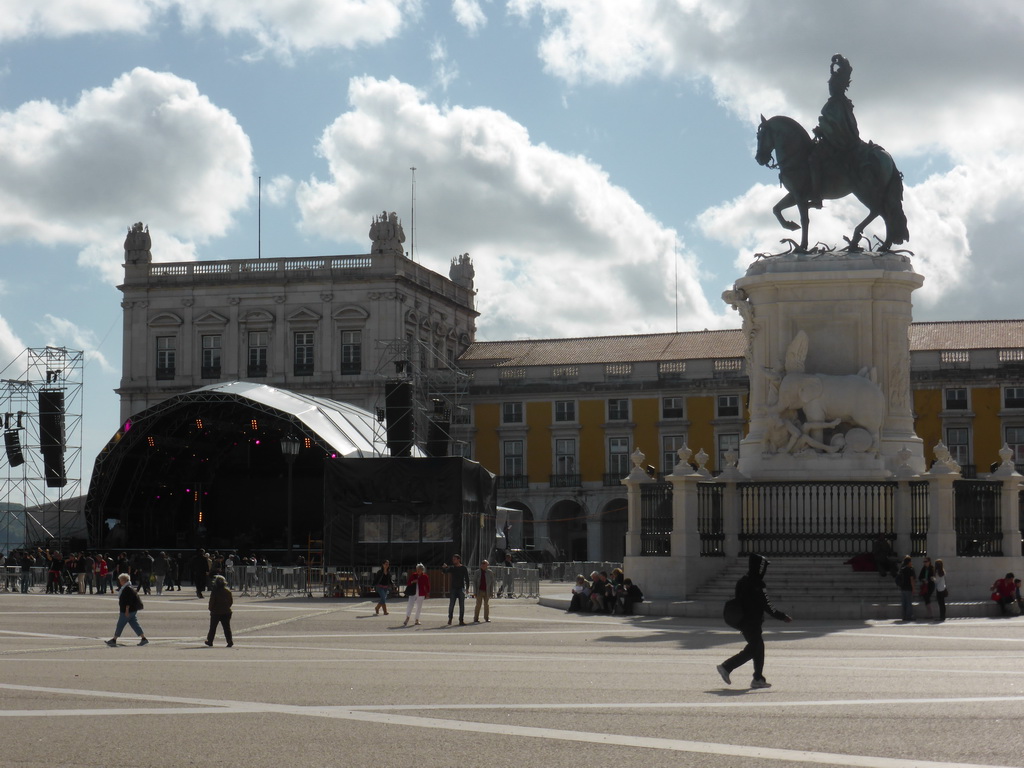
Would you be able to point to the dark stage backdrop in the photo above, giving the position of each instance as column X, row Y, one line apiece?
column 407, row 510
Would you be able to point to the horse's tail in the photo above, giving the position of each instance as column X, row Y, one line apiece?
column 895, row 218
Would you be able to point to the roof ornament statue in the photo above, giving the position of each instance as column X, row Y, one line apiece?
column 386, row 234
column 137, row 245
column 834, row 164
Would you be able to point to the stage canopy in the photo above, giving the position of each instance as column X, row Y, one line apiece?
column 205, row 468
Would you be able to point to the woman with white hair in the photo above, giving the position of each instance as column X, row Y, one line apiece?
column 129, row 605
column 417, row 590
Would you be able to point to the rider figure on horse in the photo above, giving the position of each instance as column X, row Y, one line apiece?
column 837, row 137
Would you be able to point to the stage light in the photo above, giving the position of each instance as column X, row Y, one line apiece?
column 307, row 442
column 151, row 441
column 199, row 423
column 254, row 425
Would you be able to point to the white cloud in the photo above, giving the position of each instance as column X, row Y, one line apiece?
column 278, row 191
column 10, row 348
column 579, row 255
column 150, row 147
column 63, row 18
column 445, row 72
column 284, row 27
column 469, row 14
column 60, row 332
column 281, row 27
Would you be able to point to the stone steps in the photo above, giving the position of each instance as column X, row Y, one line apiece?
column 806, row 588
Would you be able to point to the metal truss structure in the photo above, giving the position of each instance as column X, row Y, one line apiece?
column 34, row 371
column 438, row 388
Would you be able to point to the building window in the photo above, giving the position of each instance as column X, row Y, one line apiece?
column 728, row 405
column 351, row 353
column 511, row 413
column 672, row 408
column 258, row 342
column 618, row 409
column 618, row 456
column 1015, row 441
column 1013, row 397
column 958, row 442
column 565, row 410
column 670, row 445
column 512, row 458
column 210, row 364
column 565, row 456
column 956, row 399
column 165, row 357
column 303, row 353
column 726, row 443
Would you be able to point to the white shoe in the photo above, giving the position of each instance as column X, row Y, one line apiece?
column 724, row 673
column 762, row 683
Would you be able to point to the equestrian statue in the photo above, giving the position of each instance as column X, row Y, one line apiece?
column 832, row 165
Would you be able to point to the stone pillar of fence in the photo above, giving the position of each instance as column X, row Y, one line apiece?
column 633, row 482
column 941, row 503
column 902, row 518
column 1010, row 502
column 732, row 516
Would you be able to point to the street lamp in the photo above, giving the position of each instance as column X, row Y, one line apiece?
column 290, row 449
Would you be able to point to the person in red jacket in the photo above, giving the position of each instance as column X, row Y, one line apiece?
column 1004, row 592
column 419, row 593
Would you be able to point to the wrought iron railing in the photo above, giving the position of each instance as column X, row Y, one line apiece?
column 808, row 519
column 709, row 519
column 919, row 514
column 977, row 519
column 514, row 481
column 656, row 519
column 565, row 481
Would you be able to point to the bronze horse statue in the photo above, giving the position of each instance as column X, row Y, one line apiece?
column 869, row 174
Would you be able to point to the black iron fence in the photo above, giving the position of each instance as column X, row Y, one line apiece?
column 918, row 518
column 656, row 519
column 977, row 519
column 710, row 525
column 808, row 519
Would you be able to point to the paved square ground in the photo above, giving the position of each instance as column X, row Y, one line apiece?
column 315, row 682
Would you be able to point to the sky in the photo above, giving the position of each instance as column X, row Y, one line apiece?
column 594, row 157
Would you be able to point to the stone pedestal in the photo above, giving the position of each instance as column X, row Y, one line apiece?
column 827, row 341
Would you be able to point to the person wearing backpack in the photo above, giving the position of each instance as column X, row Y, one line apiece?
column 129, row 604
column 752, row 597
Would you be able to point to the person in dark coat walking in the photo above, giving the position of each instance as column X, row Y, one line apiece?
column 753, row 598
column 128, row 605
column 200, row 570
column 221, row 601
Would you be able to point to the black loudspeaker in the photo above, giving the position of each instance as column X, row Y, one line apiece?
column 51, row 420
column 51, row 437
column 13, row 445
column 438, row 434
column 398, row 414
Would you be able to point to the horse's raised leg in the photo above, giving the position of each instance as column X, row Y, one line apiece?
column 787, row 202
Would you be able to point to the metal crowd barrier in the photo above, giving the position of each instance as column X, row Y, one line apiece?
column 569, row 570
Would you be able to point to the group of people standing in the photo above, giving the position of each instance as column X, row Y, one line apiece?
column 929, row 582
column 417, row 590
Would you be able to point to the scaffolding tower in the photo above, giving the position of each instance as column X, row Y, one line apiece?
column 47, row 380
column 438, row 388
